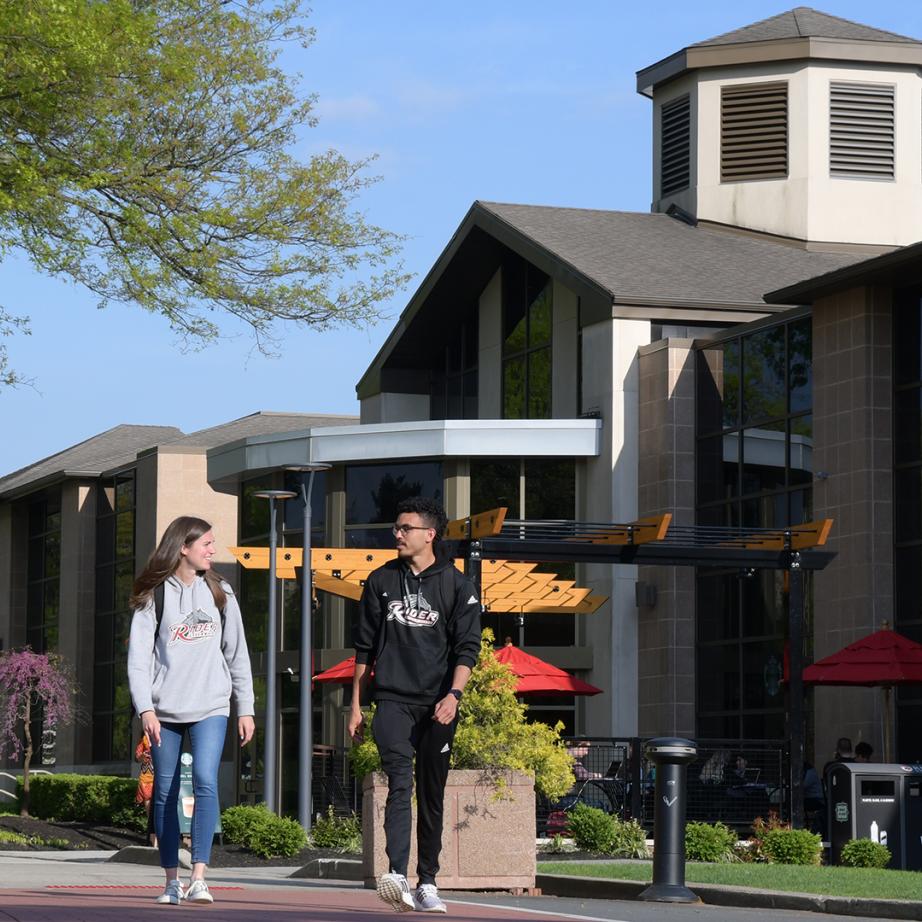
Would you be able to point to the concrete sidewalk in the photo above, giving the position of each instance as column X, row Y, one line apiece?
column 86, row 886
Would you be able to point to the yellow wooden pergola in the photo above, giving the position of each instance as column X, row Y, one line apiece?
column 505, row 586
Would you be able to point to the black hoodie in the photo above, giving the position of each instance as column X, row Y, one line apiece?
column 415, row 628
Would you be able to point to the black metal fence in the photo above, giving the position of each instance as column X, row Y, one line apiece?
column 732, row 781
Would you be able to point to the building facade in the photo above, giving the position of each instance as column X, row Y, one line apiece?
column 746, row 354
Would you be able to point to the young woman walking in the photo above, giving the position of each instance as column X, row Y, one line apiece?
column 186, row 654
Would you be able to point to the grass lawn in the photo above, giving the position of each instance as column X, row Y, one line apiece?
column 892, row 885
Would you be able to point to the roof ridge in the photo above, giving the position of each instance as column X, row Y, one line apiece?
column 651, row 214
column 86, row 441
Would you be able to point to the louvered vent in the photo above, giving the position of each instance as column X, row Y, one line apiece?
column 675, row 145
column 861, row 129
column 754, row 131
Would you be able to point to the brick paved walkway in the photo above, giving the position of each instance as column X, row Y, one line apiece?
column 234, row 904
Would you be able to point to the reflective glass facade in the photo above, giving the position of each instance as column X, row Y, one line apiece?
column 115, row 569
column 754, row 468
column 528, row 309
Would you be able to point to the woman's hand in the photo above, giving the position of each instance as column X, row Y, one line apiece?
column 151, row 727
column 246, row 727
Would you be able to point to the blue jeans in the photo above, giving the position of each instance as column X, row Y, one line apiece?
column 207, row 740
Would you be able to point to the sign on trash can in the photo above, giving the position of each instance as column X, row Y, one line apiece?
column 185, row 804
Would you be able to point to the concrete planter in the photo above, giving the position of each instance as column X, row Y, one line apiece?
column 487, row 843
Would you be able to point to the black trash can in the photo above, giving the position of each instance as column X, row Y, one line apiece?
column 881, row 802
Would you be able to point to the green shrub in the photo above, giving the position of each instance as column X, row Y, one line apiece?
column 341, row 833
column 238, row 822
column 493, row 733
column 792, row 846
column 81, row 798
column 279, row 837
column 712, row 842
column 863, row 853
column 262, row 832
column 130, row 818
column 629, row 840
column 593, row 830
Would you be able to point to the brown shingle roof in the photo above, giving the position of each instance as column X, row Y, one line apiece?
column 803, row 22
column 635, row 255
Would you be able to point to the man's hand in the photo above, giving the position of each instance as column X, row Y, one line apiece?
column 246, row 727
column 151, row 727
column 356, row 725
column 446, row 710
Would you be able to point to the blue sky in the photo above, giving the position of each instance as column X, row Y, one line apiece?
column 519, row 101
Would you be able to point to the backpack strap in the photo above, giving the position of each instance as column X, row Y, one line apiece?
column 158, row 612
column 449, row 588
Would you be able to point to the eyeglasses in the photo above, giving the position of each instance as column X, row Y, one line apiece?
column 406, row 529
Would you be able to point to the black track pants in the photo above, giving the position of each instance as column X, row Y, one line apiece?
column 400, row 730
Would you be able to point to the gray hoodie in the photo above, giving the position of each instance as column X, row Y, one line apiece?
column 190, row 673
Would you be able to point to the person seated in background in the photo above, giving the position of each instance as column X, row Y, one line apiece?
column 863, row 752
column 713, row 771
column 814, row 800
column 843, row 753
column 578, row 751
column 737, row 773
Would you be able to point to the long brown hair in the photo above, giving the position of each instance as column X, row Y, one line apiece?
column 180, row 533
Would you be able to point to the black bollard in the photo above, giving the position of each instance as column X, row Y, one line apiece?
column 671, row 756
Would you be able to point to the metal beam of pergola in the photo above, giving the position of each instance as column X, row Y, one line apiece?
column 654, row 541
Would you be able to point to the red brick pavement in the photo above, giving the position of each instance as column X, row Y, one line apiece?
column 234, row 904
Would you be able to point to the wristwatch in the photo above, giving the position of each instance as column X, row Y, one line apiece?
column 456, row 692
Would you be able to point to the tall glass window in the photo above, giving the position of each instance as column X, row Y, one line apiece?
column 115, row 563
column 755, row 469
column 43, row 593
column 531, row 488
column 373, row 492
column 528, row 301
column 907, row 501
column 453, row 389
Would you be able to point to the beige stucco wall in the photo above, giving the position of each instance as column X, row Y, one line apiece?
column 182, row 489
column 854, row 486
column 607, row 492
column 809, row 204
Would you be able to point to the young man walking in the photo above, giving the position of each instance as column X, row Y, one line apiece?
column 419, row 630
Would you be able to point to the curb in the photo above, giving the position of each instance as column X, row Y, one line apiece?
column 143, row 854
column 740, row 897
column 331, row 869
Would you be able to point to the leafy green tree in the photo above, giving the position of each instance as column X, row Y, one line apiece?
column 146, row 152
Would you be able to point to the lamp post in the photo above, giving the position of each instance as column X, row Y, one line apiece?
column 270, row 742
column 305, row 706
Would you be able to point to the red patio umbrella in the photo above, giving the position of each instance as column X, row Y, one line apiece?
column 535, row 677
column 882, row 659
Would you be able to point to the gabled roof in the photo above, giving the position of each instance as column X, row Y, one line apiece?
column 799, row 34
column 90, row 458
column 121, row 445
column 620, row 263
column 261, row 423
column 801, row 22
column 641, row 258
column 899, row 268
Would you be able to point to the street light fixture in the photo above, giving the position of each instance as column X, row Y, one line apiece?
column 270, row 743
column 305, row 706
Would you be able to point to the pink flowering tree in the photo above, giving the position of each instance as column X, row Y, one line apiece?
column 31, row 683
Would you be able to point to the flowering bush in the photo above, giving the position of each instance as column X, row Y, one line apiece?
column 31, row 684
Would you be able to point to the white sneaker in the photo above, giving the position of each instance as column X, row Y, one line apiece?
column 198, row 892
column 427, row 899
column 172, row 893
column 395, row 891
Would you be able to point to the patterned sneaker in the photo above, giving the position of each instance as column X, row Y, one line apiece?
column 395, row 891
column 172, row 893
column 198, row 892
column 427, row 899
